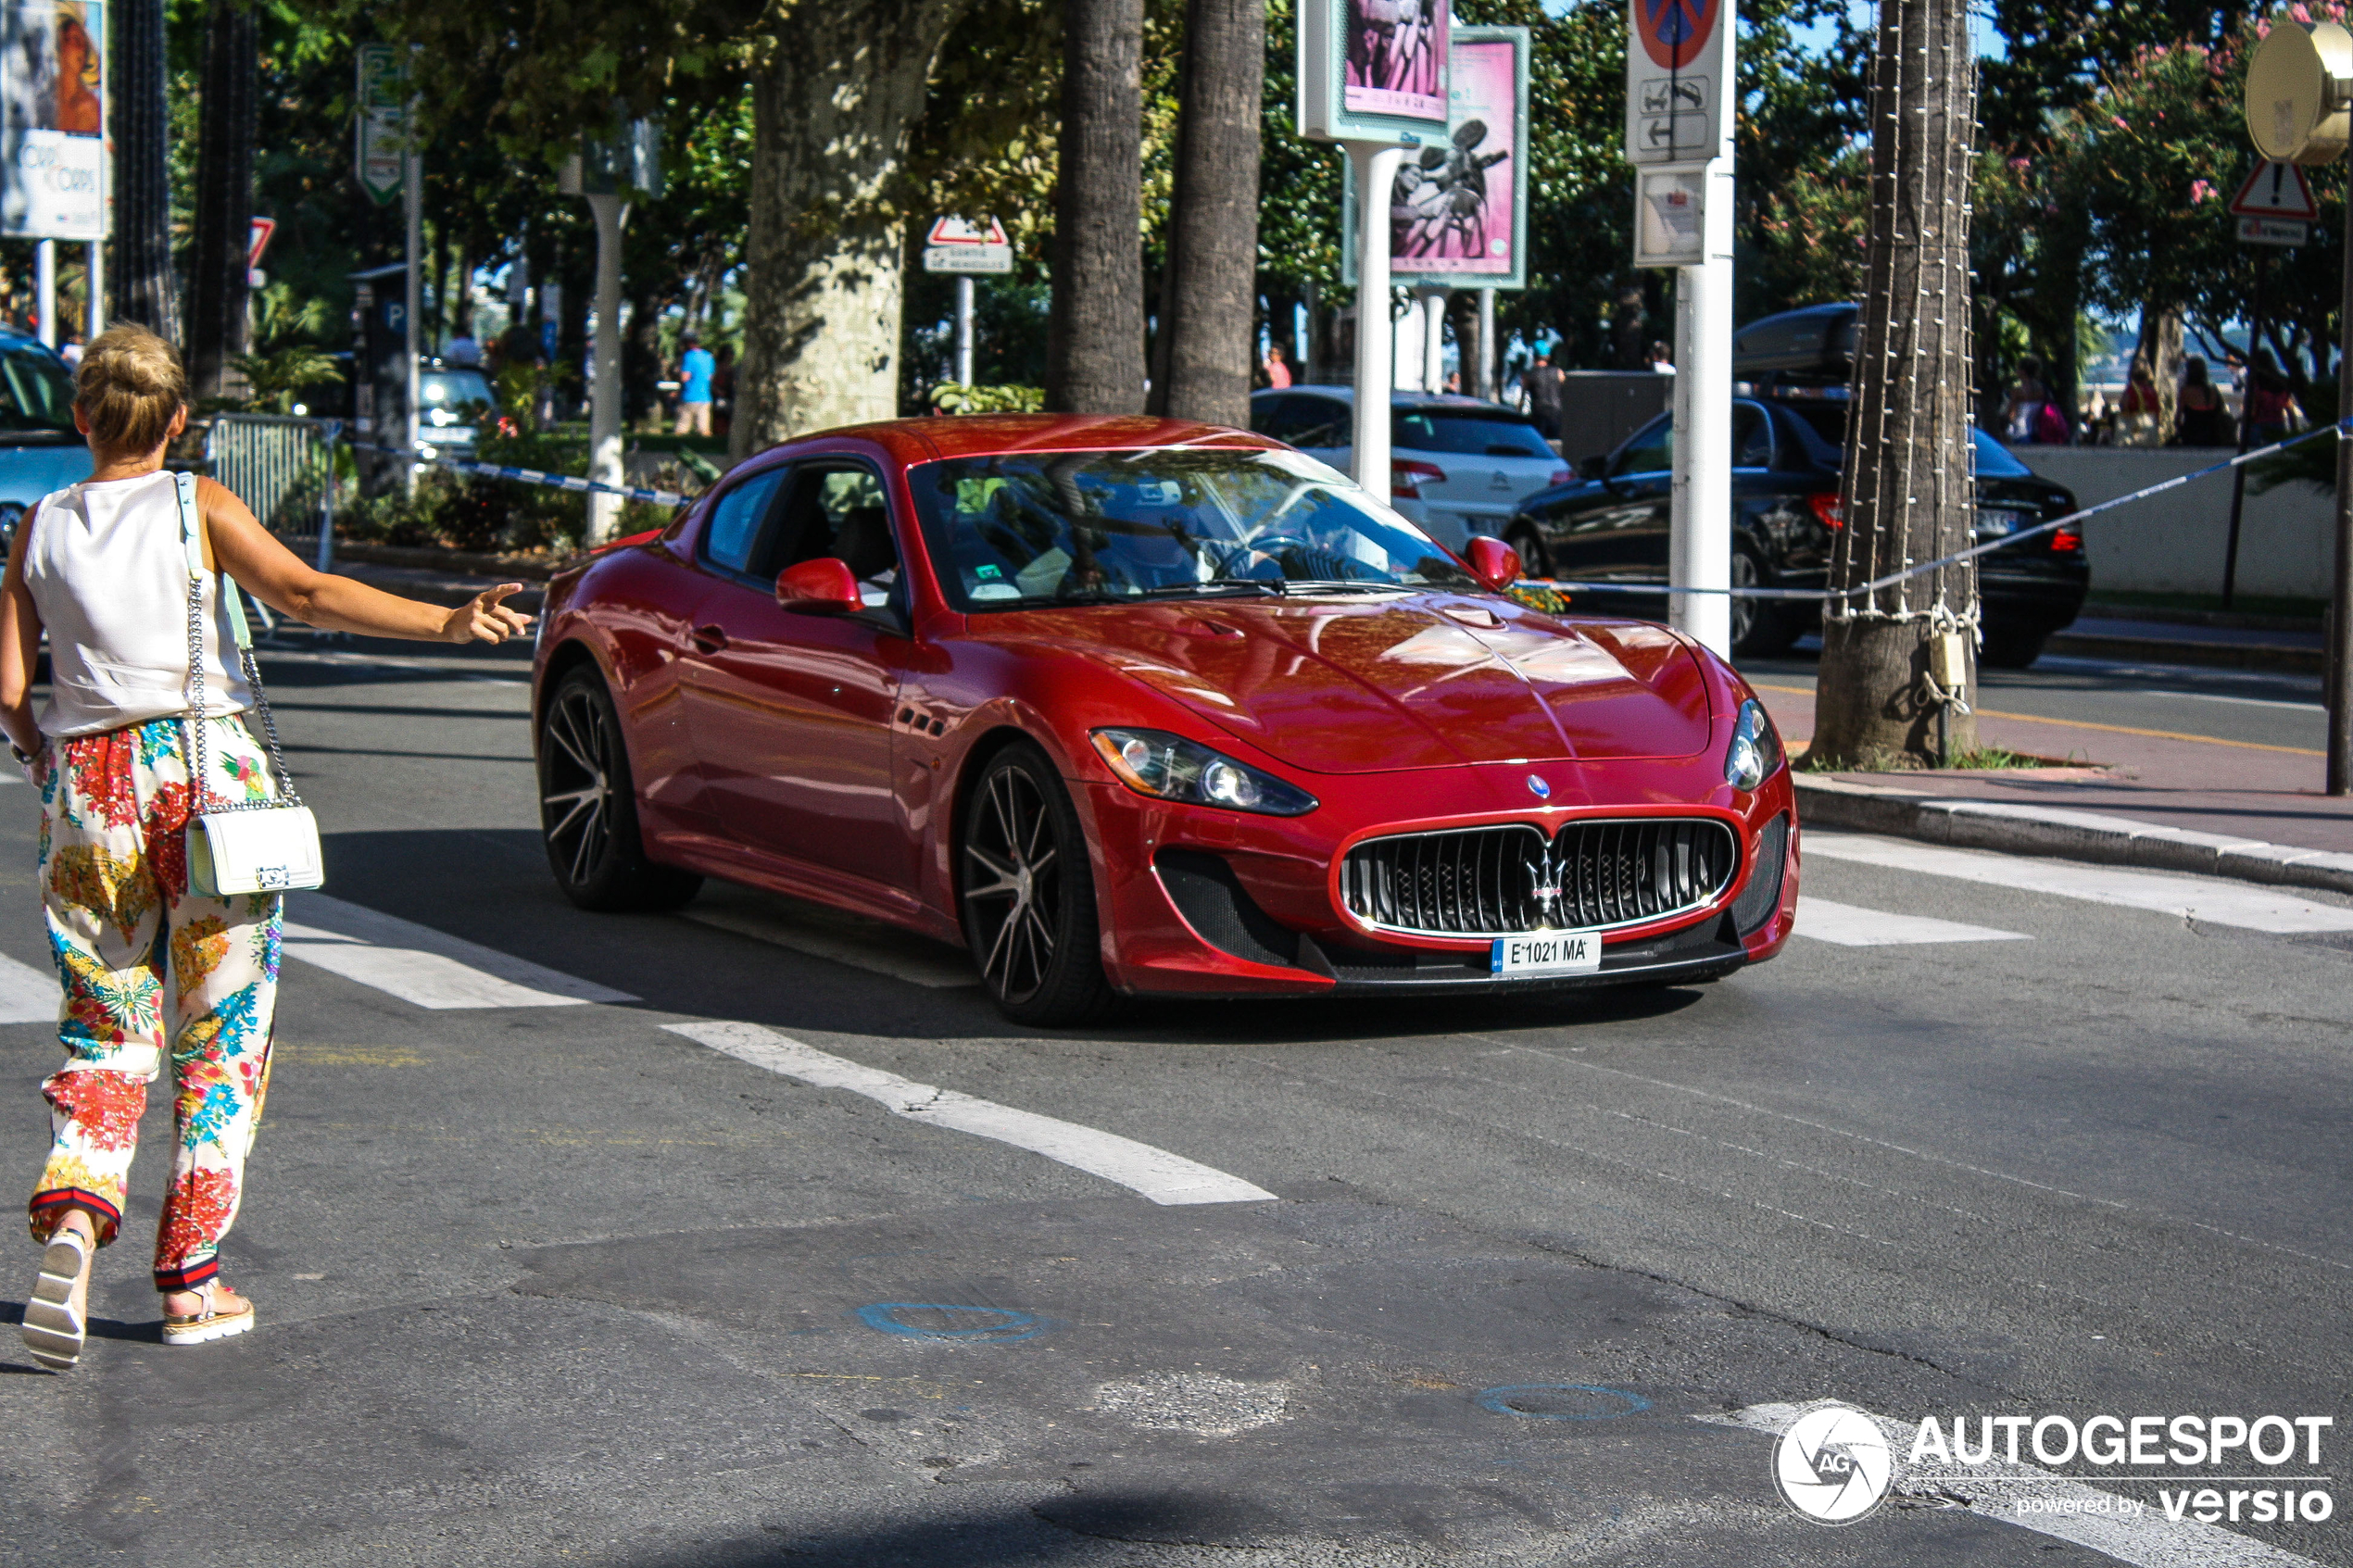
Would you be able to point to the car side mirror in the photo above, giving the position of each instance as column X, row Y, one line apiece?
column 1592, row 467
column 1495, row 564
column 824, row 586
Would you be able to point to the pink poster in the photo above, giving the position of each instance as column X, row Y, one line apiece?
column 1396, row 58
column 1450, row 209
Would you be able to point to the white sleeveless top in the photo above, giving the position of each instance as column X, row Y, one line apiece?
column 109, row 576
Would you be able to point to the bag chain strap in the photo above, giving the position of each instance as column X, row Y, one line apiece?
column 286, row 796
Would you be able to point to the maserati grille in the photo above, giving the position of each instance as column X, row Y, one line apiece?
column 1504, row 881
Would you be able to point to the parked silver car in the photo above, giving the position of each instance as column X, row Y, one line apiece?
column 1457, row 466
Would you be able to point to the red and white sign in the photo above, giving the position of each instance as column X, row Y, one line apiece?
column 959, row 245
column 258, row 240
column 2275, row 189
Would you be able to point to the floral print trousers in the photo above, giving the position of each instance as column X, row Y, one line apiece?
column 152, row 973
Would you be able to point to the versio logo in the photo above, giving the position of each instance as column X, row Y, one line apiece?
column 1832, row 1465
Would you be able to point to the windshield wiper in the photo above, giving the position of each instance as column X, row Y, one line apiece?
column 1273, row 586
column 1345, row 585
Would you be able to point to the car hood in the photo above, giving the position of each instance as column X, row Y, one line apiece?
column 1348, row 684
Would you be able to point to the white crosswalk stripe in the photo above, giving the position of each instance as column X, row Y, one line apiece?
column 1849, row 926
column 418, row 964
column 1158, row 1175
column 2217, row 902
column 27, row 995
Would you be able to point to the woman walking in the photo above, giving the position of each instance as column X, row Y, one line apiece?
column 138, row 623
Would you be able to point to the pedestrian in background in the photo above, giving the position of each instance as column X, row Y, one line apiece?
column 2200, row 417
column 71, row 352
column 1662, row 360
column 2271, row 405
column 2024, row 406
column 128, row 589
column 1277, row 367
column 695, row 366
column 1541, row 385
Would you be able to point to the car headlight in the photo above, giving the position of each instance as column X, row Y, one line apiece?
column 1755, row 749
column 1169, row 767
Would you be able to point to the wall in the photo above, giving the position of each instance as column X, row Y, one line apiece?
column 2174, row 543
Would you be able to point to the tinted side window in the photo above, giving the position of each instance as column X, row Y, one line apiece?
column 1751, row 438
column 1318, row 421
column 732, row 535
column 1652, row 449
column 1272, row 416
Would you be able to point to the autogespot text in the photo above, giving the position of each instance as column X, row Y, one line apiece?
column 2273, row 1444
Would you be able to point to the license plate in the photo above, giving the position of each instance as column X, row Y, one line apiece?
column 1548, row 952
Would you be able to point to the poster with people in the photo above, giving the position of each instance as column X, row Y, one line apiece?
column 1457, row 207
column 1396, row 58
column 53, row 119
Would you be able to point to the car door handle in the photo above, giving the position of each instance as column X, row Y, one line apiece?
column 710, row 639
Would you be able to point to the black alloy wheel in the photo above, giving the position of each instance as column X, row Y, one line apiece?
column 1030, row 894
column 1760, row 628
column 1531, row 547
column 588, row 807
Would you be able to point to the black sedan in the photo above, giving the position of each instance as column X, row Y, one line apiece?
column 1610, row 525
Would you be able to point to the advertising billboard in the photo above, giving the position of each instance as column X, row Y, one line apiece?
column 53, row 119
column 1372, row 70
column 1458, row 208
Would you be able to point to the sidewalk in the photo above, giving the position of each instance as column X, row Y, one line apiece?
column 2183, row 803
column 2244, row 641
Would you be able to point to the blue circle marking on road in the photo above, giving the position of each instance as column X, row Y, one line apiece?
column 1561, row 1401
column 995, row 1325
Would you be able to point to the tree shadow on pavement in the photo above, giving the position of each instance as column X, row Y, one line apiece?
column 1063, row 1531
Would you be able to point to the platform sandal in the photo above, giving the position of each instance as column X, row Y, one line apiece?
column 54, row 1324
column 207, row 1323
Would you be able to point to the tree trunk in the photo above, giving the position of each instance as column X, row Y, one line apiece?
column 1095, row 332
column 824, row 258
column 141, row 286
column 1212, row 319
column 1909, row 490
column 224, row 201
column 2161, row 347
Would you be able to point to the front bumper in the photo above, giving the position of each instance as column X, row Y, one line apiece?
column 1206, row 903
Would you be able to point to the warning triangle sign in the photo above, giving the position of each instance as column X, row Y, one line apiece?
column 2275, row 189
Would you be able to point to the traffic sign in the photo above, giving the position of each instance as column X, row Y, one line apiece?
column 959, row 245
column 384, row 123
column 2275, row 189
column 1678, row 71
column 2297, row 86
column 2273, row 231
column 257, row 239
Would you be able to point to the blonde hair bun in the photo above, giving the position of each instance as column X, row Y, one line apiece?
column 128, row 386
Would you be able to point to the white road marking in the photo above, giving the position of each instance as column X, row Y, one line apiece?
column 2244, row 701
column 1850, row 926
column 1158, row 1175
column 428, row 968
column 881, row 956
column 2219, row 903
column 2147, row 1539
column 28, row 995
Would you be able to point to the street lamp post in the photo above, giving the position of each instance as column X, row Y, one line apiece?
column 609, row 172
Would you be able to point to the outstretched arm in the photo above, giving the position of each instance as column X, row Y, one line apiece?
column 20, row 647
column 276, row 576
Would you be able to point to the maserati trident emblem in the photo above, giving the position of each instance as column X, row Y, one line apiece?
column 1539, row 788
column 1544, row 882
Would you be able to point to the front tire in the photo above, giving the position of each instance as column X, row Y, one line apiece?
column 588, row 806
column 1532, row 554
column 1028, row 894
column 1760, row 628
column 2009, row 649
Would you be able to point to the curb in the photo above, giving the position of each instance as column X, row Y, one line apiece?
column 2077, row 836
column 2237, row 655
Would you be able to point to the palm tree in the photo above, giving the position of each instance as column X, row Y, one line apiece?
column 1909, row 473
column 217, row 273
column 1209, row 302
column 1095, row 331
column 142, row 286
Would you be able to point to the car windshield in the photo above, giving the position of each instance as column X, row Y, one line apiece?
column 453, row 388
column 36, row 392
column 1470, row 432
column 1994, row 459
column 1008, row 532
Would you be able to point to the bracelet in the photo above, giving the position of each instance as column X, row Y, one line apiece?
column 20, row 754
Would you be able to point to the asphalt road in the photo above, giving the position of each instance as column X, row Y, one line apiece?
column 553, row 1283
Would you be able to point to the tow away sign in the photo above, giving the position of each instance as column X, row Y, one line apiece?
column 2274, row 205
column 958, row 244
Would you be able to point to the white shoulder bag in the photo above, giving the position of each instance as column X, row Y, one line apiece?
column 250, row 846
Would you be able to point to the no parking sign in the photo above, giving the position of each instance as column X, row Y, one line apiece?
column 1678, row 75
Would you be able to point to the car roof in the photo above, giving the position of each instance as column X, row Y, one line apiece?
column 1398, row 399
column 981, row 435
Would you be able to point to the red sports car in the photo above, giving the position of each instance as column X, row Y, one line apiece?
column 1136, row 707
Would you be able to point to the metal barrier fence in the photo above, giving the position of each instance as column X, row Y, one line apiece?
column 283, row 469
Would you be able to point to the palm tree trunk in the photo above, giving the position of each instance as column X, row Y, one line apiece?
column 1211, row 319
column 824, row 254
column 216, row 273
column 1909, row 486
column 1095, row 332
column 141, row 287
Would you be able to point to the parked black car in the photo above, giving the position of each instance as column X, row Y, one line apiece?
column 1610, row 523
